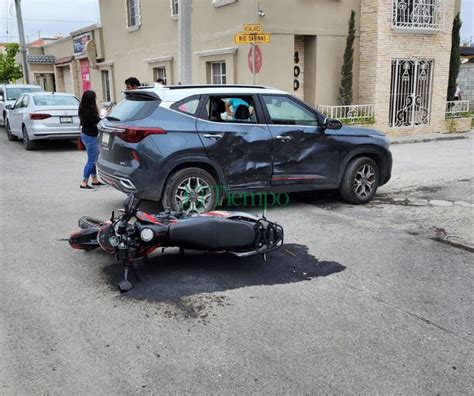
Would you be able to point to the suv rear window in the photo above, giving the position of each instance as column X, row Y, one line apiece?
column 131, row 109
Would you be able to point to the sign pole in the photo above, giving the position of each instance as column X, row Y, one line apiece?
column 254, row 66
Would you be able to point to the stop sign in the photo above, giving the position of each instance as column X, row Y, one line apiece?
column 258, row 59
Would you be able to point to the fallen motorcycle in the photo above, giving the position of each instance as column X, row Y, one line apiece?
column 135, row 234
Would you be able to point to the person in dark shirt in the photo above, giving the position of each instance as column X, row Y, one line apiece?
column 89, row 117
column 132, row 83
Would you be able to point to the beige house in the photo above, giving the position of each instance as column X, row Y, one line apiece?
column 401, row 53
column 68, row 64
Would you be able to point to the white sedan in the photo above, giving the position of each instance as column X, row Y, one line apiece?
column 43, row 115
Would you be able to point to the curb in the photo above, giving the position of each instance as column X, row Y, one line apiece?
column 424, row 140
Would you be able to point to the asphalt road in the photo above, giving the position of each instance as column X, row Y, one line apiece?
column 375, row 299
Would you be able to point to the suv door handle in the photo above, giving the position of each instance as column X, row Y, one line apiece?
column 284, row 139
column 213, row 136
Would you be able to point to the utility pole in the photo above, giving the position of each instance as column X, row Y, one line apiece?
column 23, row 48
column 184, row 41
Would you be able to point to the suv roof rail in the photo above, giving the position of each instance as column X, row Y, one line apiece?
column 213, row 86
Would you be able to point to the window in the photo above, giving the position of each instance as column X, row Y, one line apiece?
column 417, row 14
column 160, row 72
column 2, row 94
column 133, row 13
column 189, row 105
column 22, row 101
column 133, row 109
column 218, row 73
column 106, row 85
column 55, row 100
column 174, row 7
column 286, row 111
column 15, row 93
column 232, row 109
column 410, row 92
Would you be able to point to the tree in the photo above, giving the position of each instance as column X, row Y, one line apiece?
column 345, row 90
column 455, row 60
column 10, row 71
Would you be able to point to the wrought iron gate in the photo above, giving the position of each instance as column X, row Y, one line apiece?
column 410, row 92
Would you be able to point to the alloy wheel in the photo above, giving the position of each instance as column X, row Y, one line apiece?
column 193, row 195
column 364, row 181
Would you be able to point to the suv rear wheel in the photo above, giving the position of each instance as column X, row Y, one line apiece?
column 191, row 190
column 360, row 181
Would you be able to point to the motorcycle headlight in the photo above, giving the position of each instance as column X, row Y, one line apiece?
column 146, row 234
column 113, row 240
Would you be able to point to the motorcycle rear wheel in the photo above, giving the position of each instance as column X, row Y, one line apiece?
column 89, row 222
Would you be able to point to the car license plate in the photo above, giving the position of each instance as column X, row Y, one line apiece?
column 105, row 138
column 65, row 120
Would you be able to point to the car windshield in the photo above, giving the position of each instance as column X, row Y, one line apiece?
column 15, row 93
column 55, row 100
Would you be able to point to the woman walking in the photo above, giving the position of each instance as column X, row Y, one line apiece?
column 89, row 117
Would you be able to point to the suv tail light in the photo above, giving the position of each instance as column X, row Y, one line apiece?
column 39, row 116
column 137, row 134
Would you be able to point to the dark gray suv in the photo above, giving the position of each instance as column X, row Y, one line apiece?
column 189, row 146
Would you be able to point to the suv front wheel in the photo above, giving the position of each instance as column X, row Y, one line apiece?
column 190, row 190
column 360, row 181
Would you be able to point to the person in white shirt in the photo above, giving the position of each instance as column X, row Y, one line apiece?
column 457, row 94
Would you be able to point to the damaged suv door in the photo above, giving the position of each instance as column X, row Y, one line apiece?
column 303, row 151
column 233, row 133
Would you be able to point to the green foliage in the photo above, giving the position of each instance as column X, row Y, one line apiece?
column 455, row 60
column 358, row 120
column 10, row 71
column 345, row 90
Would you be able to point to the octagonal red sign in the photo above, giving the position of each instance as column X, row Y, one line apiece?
column 258, row 59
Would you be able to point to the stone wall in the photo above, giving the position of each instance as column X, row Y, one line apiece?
column 380, row 43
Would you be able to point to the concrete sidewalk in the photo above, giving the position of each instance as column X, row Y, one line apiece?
column 430, row 137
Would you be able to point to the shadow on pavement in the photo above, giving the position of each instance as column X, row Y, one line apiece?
column 169, row 276
column 56, row 145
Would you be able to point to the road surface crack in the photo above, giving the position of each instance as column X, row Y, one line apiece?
column 402, row 310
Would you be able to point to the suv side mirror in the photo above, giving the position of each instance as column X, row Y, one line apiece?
column 332, row 123
column 9, row 107
column 1, row 98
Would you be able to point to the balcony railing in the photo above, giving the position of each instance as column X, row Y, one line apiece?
column 457, row 108
column 418, row 14
column 352, row 114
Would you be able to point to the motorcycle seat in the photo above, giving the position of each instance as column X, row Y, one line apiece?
column 208, row 233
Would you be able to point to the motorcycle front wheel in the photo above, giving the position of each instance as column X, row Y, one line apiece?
column 89, row 222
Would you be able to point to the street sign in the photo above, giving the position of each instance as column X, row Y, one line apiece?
column 252, row 28
column 249, row 38
column 258, row 59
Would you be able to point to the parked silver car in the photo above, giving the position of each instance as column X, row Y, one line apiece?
column 44, row 115
column 9, row 93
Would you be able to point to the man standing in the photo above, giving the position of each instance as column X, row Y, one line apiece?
column 132, row 83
